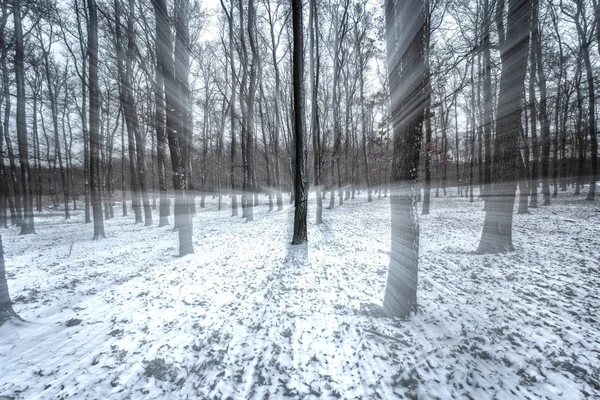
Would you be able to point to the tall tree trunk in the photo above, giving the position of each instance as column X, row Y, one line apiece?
column 174, row 104
column 487, row 99
column 250, row 110
column 14, row 202
column 94, row 135
column 27, row 226
column 535, row 149
column 54, row 111
column 277, row 111
column 427, row 151
column 544, row 120
column 408, row 99
column 36, row 154
column 6, row 310
column 264, row 137
column 497, row 229
column 229, row 15
column 315, row 124
column 340, row 33
column 133, row 116
column 427, row 116
column 161, row 140
column 591, row 125
column 123, row 186
column 301, row 171
column 130, row 113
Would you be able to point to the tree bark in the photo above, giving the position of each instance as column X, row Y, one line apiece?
column 497, row 229
column 161, row 139
column 315, row 123
column 94, row 137
column 408, row 101
column 27, row 225
column 6, row 309
column 544, row 120
column 301, row 172
column 54, row 111
column 175, row 112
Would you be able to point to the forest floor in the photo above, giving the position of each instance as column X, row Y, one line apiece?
column 250, row 316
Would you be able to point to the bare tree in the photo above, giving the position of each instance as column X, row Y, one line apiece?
column 405, row 34
column 514, row 38
column 27, row 225
column 301, row 171
column 6, row 310
column 94, row 134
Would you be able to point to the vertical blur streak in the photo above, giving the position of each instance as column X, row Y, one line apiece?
column 27, row 225
column 301, row 178
column 6, row 309
column 405, row 33
column 94, row 91
column 175, row 80
column 514, row 38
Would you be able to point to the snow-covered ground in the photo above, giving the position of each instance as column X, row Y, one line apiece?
column 250, row 316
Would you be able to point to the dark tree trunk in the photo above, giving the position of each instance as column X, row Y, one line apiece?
column 131, row 116
column 487, row 100
column 27, row 225
column 174, row 103
column 497, row 229
column 301, row 171
column 277, row 111
column 250, row 127
column 94, row 136
column 14, row 201
column 54, row 111
column 591, row 125
column 544, row 120
column 130, row 113
column 408, row 100
column 6, row 309
column 315, row 123
column 535, row 149
column 340, row 33
column 234, row 205
column 161, row 141
column 427, row 150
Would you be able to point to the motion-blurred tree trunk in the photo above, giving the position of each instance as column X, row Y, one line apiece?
column 27, row 226
column 174, row 104
column 94, row 136
column 250, row 127
column 53, row 89
column 161, row 138
column 130, row 112
column 585, row 41
column 131, row 115
column 14, row 202
column 6, row 309
column 535, row 147
column 341, row 28
column 301, row 171
column 428, row 114
column 513, row 41
column 229, row 15
column 405, row 34
column 544, row 120
column 315, row 123
column 278, row 126
column 5, row 195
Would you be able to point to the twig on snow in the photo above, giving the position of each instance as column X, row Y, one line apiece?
column 383, row 335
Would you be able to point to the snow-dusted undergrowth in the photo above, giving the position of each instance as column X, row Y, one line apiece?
column 250, row 316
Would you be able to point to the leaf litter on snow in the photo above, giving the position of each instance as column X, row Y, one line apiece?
column 250, row 316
